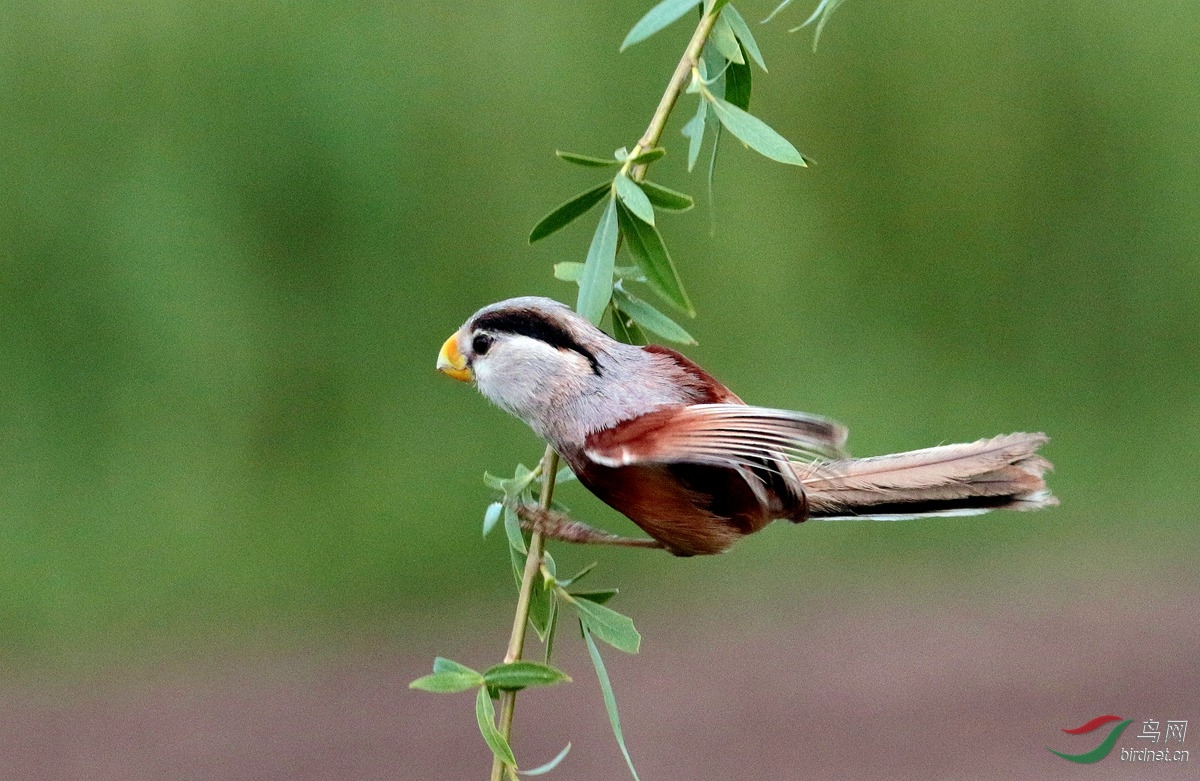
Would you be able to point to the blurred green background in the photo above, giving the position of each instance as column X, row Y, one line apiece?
column 234, row 236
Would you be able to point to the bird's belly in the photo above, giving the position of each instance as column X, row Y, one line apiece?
column 693, row 510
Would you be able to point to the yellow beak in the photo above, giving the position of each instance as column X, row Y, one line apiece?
column 451, row 363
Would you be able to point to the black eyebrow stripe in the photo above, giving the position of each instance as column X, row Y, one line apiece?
column 535, row 326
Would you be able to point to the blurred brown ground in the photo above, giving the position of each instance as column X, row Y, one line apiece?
column 942, row 691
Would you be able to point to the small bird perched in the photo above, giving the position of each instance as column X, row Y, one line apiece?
column 660, row 440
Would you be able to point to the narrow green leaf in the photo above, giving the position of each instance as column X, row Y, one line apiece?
column 648, row 156
column 625, row 330
column 568, row 212
column 485, row 714
column 444, row 665
column 568, row 271
column 518, row 675
column 564, row 475
column 600, row 595
column 595, row 285
column 646, row 245
column 540, row 607
column 779, row 8
column 755, row 133
column 587, row 161
column 512, row 528
column 610, row 699
column 610, row 626
column 551, row 627
column 650, row 318
column 825, row 10
column 712, row 170
column 632, row 273
column 546, row 768
column 578, row 575
column 449, row 682
column 634, row 199
column 716, row 5
column 742, row 31
column 694, row 132
column 712, row 66
column 495, row 483
column 738, row 84
column 726, row 42
column 666, row 198
column 518, row 565
column 658, row 17
column 491, row 517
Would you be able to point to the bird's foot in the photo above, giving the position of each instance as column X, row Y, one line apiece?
column 557, row 526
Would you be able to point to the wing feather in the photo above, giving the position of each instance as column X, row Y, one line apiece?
column 730, row 435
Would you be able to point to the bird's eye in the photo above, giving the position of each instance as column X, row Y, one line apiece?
column 481, row 343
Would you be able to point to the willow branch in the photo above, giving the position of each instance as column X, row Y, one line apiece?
column 516, row 641
column 658, row 122
column 675, row 87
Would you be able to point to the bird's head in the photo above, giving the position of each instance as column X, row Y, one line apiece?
column 528, row 356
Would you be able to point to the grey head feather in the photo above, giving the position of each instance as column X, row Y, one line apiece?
column 560, row 374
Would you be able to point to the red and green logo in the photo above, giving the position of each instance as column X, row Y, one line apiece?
column 1101, row 751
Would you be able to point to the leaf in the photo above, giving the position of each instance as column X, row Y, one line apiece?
column 546, row 768
column 520, row 674
column 540, row 607
column 568, row 271
column 742, row 31
column 564, row 475
column 666, row 198
column 578, row 575
column 648, row 156
column 443, row 665
column 448, row 682
column 825, row 10
column 779, row 8
column 587, row 161
column 694, row 132
column 737, row 85
column 610, row 626
column 485, row 714
column 600, row 595
column 632, row 196
column 491, row 517
column 595, row 284
column 632, row 273
column 512, row 528
column 650, row 318
column 662, row 15
column 716, row 5
column 495, row 483
column 755, row 133
column 625, row 330
column 610, row 699
column 726, row 42
column 646, row 245
column 568, row 212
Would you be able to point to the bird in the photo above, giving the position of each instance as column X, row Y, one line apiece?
column 662, row 441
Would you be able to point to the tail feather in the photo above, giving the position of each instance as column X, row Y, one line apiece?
column 1003, row 472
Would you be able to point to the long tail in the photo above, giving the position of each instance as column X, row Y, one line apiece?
column 1003, row 472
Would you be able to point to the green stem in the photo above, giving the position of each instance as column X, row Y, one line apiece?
column 516, row 642
column 649, row 140
column 675, row 87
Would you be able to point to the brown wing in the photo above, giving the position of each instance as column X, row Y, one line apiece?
column 729, row 435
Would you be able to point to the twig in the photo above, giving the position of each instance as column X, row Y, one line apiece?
column 649, row 139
